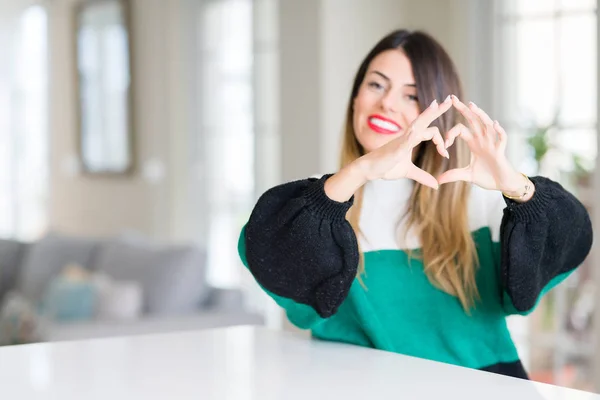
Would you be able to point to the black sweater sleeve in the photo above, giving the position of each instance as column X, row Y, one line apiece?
column 549, row 235
column 300, row 246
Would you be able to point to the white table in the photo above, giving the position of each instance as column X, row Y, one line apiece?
column 243, row 363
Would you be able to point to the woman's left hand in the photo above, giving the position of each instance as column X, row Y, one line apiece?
column 489, row 168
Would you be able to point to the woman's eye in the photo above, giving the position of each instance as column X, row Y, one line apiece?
column 412, row 98
column 375, row 85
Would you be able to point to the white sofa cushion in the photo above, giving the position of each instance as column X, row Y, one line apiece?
column 173, row 278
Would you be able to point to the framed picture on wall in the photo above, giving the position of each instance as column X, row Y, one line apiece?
column 104, row 86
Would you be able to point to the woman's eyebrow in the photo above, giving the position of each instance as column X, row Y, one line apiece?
column 384, row 76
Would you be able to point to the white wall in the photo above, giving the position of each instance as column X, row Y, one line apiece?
column 90, row 205
column 299, row 87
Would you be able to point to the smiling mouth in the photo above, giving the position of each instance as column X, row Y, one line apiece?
column 383, row 125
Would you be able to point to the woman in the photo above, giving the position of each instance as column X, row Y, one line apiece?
column 383, row 254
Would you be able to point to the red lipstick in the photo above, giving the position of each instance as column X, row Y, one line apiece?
column 383, row 125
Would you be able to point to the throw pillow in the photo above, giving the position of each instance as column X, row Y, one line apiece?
column 47, row 257
column 117, row 300
column 19, row 323
column 172, row 277
column 71, row 296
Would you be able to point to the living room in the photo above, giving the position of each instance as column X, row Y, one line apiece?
column 122, row 205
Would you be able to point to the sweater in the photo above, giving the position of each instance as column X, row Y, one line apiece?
column 303, row 253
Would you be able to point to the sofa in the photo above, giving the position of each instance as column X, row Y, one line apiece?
column 154, row 287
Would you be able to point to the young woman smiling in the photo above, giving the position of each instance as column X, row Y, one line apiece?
column 420, row 244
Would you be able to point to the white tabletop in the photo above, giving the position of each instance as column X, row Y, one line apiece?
column 243, row 363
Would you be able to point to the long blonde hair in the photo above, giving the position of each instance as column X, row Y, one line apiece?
column 438, row 217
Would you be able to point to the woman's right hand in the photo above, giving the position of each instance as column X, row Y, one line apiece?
column 394, row 159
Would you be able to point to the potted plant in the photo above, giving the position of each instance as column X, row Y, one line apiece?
column 540, row 140
column 582, row 173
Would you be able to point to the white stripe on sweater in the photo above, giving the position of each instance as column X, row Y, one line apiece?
column 385, row 202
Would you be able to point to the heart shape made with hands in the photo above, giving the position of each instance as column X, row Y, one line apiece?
column 488, row 168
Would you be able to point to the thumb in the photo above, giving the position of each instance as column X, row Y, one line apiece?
column 417, row 174
column 454, row 175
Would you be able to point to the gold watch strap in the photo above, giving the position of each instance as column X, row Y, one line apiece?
column 528, row 187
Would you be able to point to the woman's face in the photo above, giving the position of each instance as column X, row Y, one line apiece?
column 386, row 103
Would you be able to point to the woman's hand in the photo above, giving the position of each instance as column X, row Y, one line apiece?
column 394, row 159
column 489, row 168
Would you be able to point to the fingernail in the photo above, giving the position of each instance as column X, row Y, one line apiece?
column 473, row 104
column 454, row 97
column 447, row 155
column 433, row 103
column 447, row 99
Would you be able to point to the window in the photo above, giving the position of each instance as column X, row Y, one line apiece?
column 23, row 126
column 547, row 70
column 225, row 145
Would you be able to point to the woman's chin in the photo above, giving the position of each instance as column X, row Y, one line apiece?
column 376, row 140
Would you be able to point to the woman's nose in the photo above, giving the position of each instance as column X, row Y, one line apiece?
column 389, row 102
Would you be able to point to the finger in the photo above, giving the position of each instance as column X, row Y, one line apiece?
column 502, row 137
column 433, row 134
column 418, row 175
column 431, row 113
column 472, row 118
column 454, row 175
column 482, row 114
column 489, row 130
column 456, row 131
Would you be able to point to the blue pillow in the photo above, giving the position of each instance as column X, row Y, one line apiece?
column 70, row 300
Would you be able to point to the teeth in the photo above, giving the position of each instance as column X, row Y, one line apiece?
column 384, row 124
